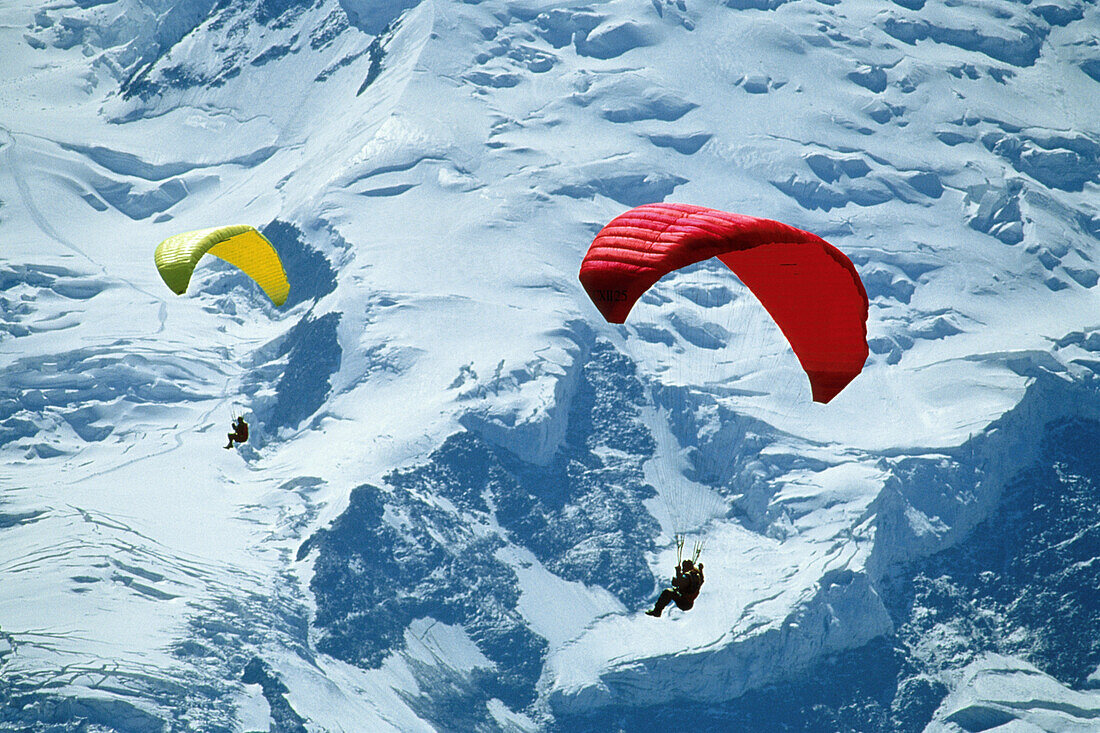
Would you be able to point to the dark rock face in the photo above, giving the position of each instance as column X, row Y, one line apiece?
column 398, row 554
column 390, row 559
column 1024, row 583
column 310, row 273
column 313, row 356
column 161, row 71
column 283, row 717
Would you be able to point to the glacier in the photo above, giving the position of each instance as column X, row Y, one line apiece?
column 458, row 495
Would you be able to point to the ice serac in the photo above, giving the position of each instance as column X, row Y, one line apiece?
column 1002, row 693
column 526, row 411
column 843, row 612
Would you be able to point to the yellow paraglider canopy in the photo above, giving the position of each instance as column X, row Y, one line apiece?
column 240, row 245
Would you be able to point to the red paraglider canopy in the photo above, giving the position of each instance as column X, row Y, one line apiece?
column 809, row 287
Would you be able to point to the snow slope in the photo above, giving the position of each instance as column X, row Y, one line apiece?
column 454, row 506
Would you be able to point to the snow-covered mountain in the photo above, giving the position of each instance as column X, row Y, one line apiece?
column 459, row 493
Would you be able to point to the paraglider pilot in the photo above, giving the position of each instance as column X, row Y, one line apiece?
column 685, row 588
column 240, row 432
